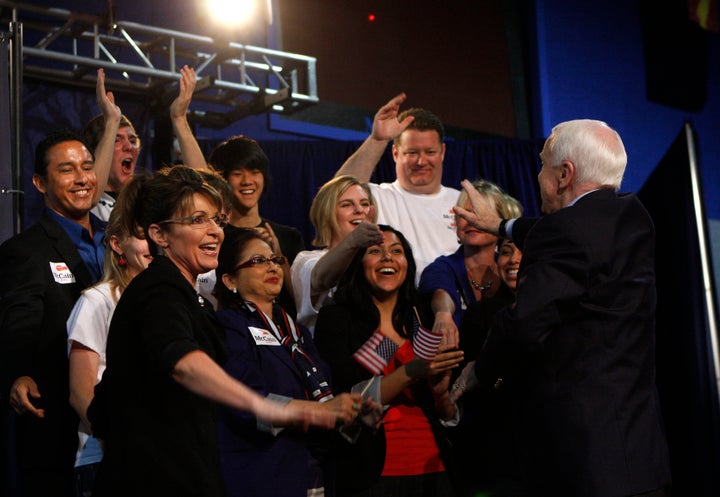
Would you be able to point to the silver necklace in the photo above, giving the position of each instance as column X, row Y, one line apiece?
column 486, row 285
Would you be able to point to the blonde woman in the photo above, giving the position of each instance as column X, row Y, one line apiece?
column 125, row 257
column 343, row 214
column 470, row 274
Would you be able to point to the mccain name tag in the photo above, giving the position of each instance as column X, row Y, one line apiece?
column 61, row 273
column 263, row 337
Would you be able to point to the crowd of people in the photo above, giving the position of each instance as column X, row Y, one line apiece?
column 158, row 336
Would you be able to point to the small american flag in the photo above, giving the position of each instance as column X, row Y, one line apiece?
column 375, row 353
column 425, row 343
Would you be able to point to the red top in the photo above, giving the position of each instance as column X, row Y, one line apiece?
column 411, row 446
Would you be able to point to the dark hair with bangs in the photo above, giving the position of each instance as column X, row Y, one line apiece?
column 240, row 152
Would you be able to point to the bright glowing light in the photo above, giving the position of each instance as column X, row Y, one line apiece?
column 232, row 12
column 371, row 17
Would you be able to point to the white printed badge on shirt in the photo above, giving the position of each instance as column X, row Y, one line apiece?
column 263, row 337
column 61, row 273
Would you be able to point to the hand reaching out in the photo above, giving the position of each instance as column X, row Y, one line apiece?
column 447, row 358
column 483, row 215
column 300, row 414
column 345, row 407
column 385, row 124
column 445, row 325
column 371, row 413
column 440, row 368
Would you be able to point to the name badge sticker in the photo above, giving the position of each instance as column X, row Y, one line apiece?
column 263, row 337
column 61, row 273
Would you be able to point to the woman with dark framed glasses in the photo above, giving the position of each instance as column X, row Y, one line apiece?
column 277, row 358
column 155, row 406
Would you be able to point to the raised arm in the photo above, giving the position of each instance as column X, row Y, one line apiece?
column 362, row 163
column 191, row 153
column 106, row 146
column 330, row 267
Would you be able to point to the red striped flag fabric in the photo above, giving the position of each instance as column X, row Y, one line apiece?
column 367, row 355
column 426, row 343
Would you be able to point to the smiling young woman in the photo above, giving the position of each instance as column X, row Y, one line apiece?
column 470, row 274
column 369, row 336
column 126, row 256
column 343, row 214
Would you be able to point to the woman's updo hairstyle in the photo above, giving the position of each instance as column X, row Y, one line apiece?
column 169, row 194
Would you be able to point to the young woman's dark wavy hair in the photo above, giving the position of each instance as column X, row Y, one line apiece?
column 354, row 290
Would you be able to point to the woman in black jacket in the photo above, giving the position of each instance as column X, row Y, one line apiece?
column 155, row 406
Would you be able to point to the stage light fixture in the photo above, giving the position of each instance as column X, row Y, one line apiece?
column 233, row 13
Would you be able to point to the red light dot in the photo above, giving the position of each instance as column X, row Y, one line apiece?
column 371, row 17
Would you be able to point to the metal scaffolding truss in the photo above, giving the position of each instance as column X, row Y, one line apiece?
column 238, row 80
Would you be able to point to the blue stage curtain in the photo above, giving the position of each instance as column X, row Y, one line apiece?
column 685, row 372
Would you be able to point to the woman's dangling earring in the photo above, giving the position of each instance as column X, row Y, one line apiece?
column 122, row 261
column 234, row 290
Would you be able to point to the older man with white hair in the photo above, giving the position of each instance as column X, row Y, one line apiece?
column 577, row 350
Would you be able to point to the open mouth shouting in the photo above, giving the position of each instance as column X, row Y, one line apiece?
column 127, row 165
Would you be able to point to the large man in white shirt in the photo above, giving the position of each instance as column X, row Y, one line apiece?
column 416, row 203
